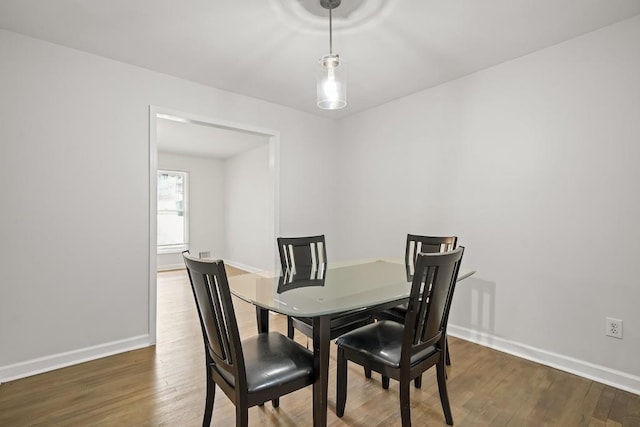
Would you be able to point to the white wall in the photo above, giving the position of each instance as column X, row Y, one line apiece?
column 206, row 211
column 249, row 211
column 534, row 165
column 74, row 159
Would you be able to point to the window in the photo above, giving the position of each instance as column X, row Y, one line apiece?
column 173, row 235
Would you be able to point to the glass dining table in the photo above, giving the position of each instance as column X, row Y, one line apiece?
column 336, row 289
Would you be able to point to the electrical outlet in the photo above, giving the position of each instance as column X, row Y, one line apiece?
column 613, row 327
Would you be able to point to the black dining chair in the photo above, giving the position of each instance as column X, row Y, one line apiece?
column 417, row 244
column 404, row 351
column 249, row 372
column 309, row 254
column 301, row 254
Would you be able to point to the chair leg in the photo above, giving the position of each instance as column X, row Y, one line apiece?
column 242, row 416
column 442, row 388
column 208, row 406
column 447, row 356
column 405, row 404
column 367, row 372
column 290, row 327
column 341, row 383
column 385, row 382
column 275, row 402
column 417, row 381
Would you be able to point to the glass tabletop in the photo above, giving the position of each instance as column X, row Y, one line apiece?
column 335, row 289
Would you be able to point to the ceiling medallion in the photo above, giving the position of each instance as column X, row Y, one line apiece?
column 311, row 16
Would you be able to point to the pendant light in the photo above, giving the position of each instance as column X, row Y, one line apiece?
column 332, row 75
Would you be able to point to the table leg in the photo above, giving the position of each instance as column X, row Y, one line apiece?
column 321, row 343
column 262, row 317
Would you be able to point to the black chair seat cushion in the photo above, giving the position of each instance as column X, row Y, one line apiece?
column 271, row 359
column 382, row 342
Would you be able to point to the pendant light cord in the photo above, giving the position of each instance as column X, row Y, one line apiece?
column 330, row 32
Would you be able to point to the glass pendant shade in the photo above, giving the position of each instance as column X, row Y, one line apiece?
column 331, row 83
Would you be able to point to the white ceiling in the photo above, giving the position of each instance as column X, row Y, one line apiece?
column 179, row 136
column 269, row 49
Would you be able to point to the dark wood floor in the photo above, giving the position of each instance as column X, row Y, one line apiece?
column 164, row 385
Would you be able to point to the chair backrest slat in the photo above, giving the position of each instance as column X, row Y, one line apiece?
column 430, row 299
column 222, row 344
column 217, row 316
column 302, row 253
column 425, row 244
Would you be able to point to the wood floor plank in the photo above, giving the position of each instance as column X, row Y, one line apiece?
column 164, row 386
column 603, row 405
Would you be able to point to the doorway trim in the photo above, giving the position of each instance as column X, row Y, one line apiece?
column 274, row 180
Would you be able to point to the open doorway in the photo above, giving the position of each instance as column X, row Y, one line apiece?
column 248, row 218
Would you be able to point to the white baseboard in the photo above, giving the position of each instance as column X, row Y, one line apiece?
column 602, row 374
column 168, row 267
column 61, row 360
column 242, row 266
column 235, row 264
